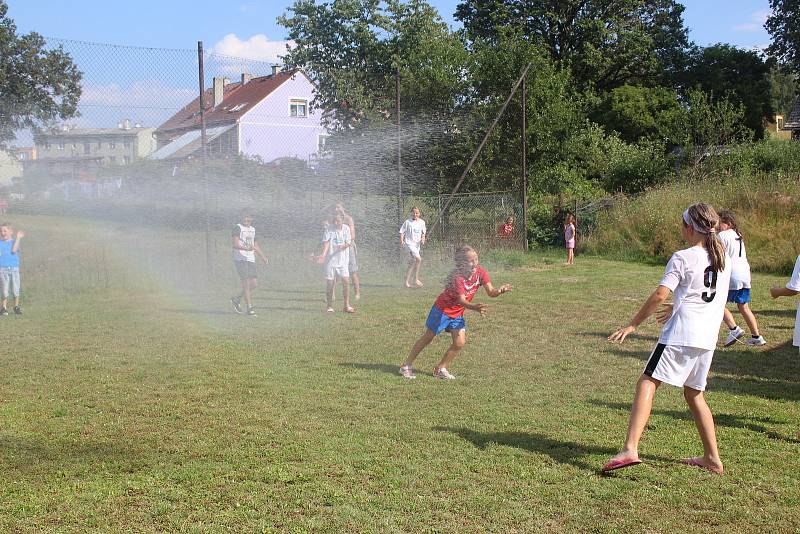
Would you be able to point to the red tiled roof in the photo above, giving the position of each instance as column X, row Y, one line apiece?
column 237, row 100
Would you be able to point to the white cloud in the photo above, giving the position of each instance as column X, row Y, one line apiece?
column 757, row 20
column 258, row 47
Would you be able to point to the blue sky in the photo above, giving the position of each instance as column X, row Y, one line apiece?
column 181, row 23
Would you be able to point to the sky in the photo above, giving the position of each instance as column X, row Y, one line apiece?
column 249, row 28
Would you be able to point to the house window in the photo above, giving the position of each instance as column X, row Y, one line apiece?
column 112, row 144
column 87, row 147
column 61, row 145
column 298, row 107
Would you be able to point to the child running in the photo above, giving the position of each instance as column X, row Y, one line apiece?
column 412, row 236
column 335, row 255
column 791, row 289
column 686, row 345
column 9, row 267
column 245, row 248
column 739, row 291
column 447, row 313
column 569, row 238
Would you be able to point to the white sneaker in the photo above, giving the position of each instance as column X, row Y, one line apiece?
column 733, row 335
column 756, row 341
column 407, row 372
column 444, row 374
column 329, row 310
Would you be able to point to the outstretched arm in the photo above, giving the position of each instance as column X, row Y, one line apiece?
column 648, row 308
column 481, row 308
column 777, row 291
column 15, row 246
column 492, row 292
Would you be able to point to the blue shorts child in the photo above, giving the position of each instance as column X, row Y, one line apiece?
column 739, row 296
column 438, row 322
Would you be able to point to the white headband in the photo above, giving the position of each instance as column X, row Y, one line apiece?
column 690, row 222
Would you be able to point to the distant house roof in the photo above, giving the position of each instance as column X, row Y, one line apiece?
column 792, row 122
column 89, row 132
column 189, row 142
column 237, row 99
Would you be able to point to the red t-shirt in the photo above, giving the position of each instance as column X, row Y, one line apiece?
column 506, row 229
column 447, row 301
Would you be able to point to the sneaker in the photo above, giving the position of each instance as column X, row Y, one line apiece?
column 756, row 341
column 18, row 311
column 329, row 310
column 3, row 311
column 252, row 312
column 733, row 335
column 444, row 374
column 407, row 372
column 237, row 305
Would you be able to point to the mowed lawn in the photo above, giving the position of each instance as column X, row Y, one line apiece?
column 164, row 411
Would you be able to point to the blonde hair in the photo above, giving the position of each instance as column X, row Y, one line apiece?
column 704, row 220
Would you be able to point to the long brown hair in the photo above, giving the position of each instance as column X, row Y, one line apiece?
column 704, row 220
column 729, row 218
column 459, row 256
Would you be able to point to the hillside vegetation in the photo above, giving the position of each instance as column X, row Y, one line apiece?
column 760, row 183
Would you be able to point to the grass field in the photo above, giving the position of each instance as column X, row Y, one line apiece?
column 161, row 410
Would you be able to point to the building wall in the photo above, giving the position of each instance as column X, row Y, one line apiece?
column 269, row 132
column 10, row 168
column 110, row 147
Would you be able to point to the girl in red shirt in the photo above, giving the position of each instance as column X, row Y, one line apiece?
column 447, row 313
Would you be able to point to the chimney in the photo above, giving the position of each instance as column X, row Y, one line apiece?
column 276, row 69
column 219, row 90
column 246, row 77
column 126, row 125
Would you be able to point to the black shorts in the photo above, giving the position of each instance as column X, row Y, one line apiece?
column 246, row 269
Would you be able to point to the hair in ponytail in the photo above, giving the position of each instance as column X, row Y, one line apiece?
column 704, row 220
column 729, row 218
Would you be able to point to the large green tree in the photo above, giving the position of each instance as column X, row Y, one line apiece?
column 606, row 43
column 37, row 85
column 740, row 75
column 784, row 26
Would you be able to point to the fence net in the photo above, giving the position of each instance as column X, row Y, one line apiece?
column 127, row 183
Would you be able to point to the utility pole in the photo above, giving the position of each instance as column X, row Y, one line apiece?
column 203, row 151
column 399, row 146
column 524, row 164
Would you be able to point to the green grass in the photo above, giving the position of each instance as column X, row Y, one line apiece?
column 147, row 407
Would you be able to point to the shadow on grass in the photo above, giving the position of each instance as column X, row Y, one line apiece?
column 381, row 367
column 752, row 424
column 776, row 313
column 23, row 455
column 604, row 335
column 563, row 452
column 197, row 311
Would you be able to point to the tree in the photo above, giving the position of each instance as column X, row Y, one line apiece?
column 37, row 86
column 638, row 113
column 741, row 75
column 784, row 27
column 606, row 43
column 784, row 88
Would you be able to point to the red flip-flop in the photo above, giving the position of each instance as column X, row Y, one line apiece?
column 613, row 465
column 695, row 461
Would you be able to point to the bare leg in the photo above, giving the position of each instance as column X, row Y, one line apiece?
column 417, row 265
column 459, row 339
column 346, row 292
column 246, row 292
column 705, row 426
column 420, row 344
column 409, row 272
column 329, row 292
column 356, row 284
column 728, row 318
column 640, row 413
column 749, row 318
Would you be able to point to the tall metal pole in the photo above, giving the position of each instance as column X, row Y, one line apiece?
column 524, row 164
column 203, row 153
column 399, row 146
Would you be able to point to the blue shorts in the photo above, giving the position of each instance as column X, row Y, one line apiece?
column 438, row 322
column 739, row 296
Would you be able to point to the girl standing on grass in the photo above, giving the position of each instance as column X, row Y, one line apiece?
column 686, row 345
column 447, row 313
column 791, row 289
column 739, row 291
column 569, row 238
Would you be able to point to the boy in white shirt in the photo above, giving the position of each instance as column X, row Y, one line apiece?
column 412, row 236
column 245, row 249
column 699, row 277
column 791, row 289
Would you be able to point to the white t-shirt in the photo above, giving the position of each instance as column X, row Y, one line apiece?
column 794, row 285
column 413, row 231
column 699, row 299
column 247, row 236
column 338, row 237
column 737, row 254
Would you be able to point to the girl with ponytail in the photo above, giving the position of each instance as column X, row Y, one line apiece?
column 739, row 291
column 682, row 356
